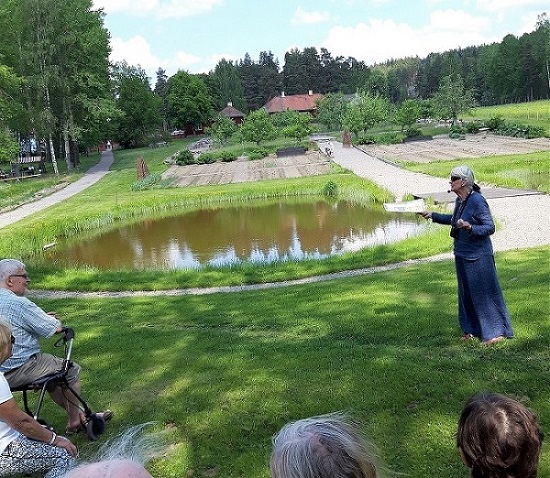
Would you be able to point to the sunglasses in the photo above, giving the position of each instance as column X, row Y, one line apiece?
column 455, row 178
column 23, row 276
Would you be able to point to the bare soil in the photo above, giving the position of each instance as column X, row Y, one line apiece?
column 443, row 148
column 440, row 148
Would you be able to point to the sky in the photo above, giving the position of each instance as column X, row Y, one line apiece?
column 194, row 35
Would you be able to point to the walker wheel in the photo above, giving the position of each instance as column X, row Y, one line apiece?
column 95, row 427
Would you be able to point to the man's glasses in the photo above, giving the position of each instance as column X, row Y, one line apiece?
column 455, row 178
column 23, row 276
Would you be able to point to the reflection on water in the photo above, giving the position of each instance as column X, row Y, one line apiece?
column 225, row 236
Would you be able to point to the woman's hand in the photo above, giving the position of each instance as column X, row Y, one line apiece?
column 425, row 214
column 462, row 224
column 63, row 442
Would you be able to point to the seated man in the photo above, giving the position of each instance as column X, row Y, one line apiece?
column 27, row 363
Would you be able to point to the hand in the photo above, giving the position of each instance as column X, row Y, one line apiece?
column 461, row 224
column 425, row 214
column 63, row 442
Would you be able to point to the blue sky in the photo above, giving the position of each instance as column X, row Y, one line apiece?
column 193, row 35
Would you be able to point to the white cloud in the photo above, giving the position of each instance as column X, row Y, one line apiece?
column 135, row 51
column 301, row 17
column 158, row 8
column 381, row 40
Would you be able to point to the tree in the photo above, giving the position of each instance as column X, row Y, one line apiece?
column 452, row 98
column 222, row 129
column 188, row 101
column 407, row 114
column 140, row 107
column 9, row 107
column 331, row 109
column 61, row 49
column 226, row 86
column 298, row 125
column 257, row 127
column 365, row 111
column 161, row 90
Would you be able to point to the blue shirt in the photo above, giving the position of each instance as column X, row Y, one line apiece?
column 475, row 243
column 28, row 323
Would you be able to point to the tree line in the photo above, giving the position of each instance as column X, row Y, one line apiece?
column 57, row 85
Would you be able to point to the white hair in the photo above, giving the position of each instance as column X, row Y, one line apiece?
column 122, row 456
column 9, row 267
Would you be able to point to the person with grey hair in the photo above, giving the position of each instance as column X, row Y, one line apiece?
column 327, row 446
column 29, row 323
column 125, row 456
column 482, row 312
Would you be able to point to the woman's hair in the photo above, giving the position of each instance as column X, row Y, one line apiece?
column 328, row 446
column 9, row 267
column 5, row 336
column 499, row 437
column 467, row 175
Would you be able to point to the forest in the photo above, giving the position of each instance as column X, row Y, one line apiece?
column 58, row 86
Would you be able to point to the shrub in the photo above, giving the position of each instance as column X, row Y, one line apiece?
column 413, row 132
column 146, row 182
column 184, row 157
column 228, row 156
column 330, row 189
column 495, row 123
column 207, row 158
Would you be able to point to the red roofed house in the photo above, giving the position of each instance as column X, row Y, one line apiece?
column 301, row 103
column 233, row 114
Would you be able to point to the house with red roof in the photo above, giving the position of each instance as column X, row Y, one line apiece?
column 300, row 103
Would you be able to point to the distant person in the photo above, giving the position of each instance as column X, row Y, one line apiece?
column 498, row 437
column 29, row 323
column 108, row 146
column 327, row 446
column 123, row 457
column 482, row 312
column 25, row 445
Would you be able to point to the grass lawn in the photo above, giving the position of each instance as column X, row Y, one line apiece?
column 219, row 374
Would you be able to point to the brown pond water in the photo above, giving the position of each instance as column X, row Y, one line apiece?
column 279, row 231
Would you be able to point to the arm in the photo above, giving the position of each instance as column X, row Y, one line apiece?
column 436, row 217
column 12, row 415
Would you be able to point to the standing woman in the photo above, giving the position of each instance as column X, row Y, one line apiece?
column 25, row 445
column 482, row 312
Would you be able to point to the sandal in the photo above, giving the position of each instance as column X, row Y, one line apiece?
column 467, row 337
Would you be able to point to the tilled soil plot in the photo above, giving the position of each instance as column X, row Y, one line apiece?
column 443, row 148
column 243, row 170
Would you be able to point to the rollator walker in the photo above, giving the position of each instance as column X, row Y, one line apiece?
column 95, row 424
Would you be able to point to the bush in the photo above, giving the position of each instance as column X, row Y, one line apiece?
column 228, row 156
column 413, row 132
column 330, row 189
column 257, row 153
column 185, row 157
column 207, row 158
column 495, row 123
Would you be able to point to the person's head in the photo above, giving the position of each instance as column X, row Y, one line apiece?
column 327, row 446
column 6, row 341
column 498, row 437
column 13, row 276
column 111, row 469
column 462, row 178
column 124, row 456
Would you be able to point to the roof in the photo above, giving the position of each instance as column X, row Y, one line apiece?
column 293, row 102
column 231, row 112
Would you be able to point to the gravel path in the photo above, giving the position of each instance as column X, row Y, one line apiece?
column 523, row 221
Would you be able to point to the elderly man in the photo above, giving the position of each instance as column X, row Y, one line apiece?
column 27, row 363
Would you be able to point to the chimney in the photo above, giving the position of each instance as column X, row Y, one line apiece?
column 310, row 92
column 282, row 94
column 229, row 103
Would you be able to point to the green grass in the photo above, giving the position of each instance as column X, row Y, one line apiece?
column 534, row 113
column 522, row 171
column 221, row 373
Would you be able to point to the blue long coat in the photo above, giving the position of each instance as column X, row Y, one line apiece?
column 482, row 311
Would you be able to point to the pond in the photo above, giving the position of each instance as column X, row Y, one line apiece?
column 280, row 231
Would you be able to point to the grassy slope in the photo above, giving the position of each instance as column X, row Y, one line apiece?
column 222, row 373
